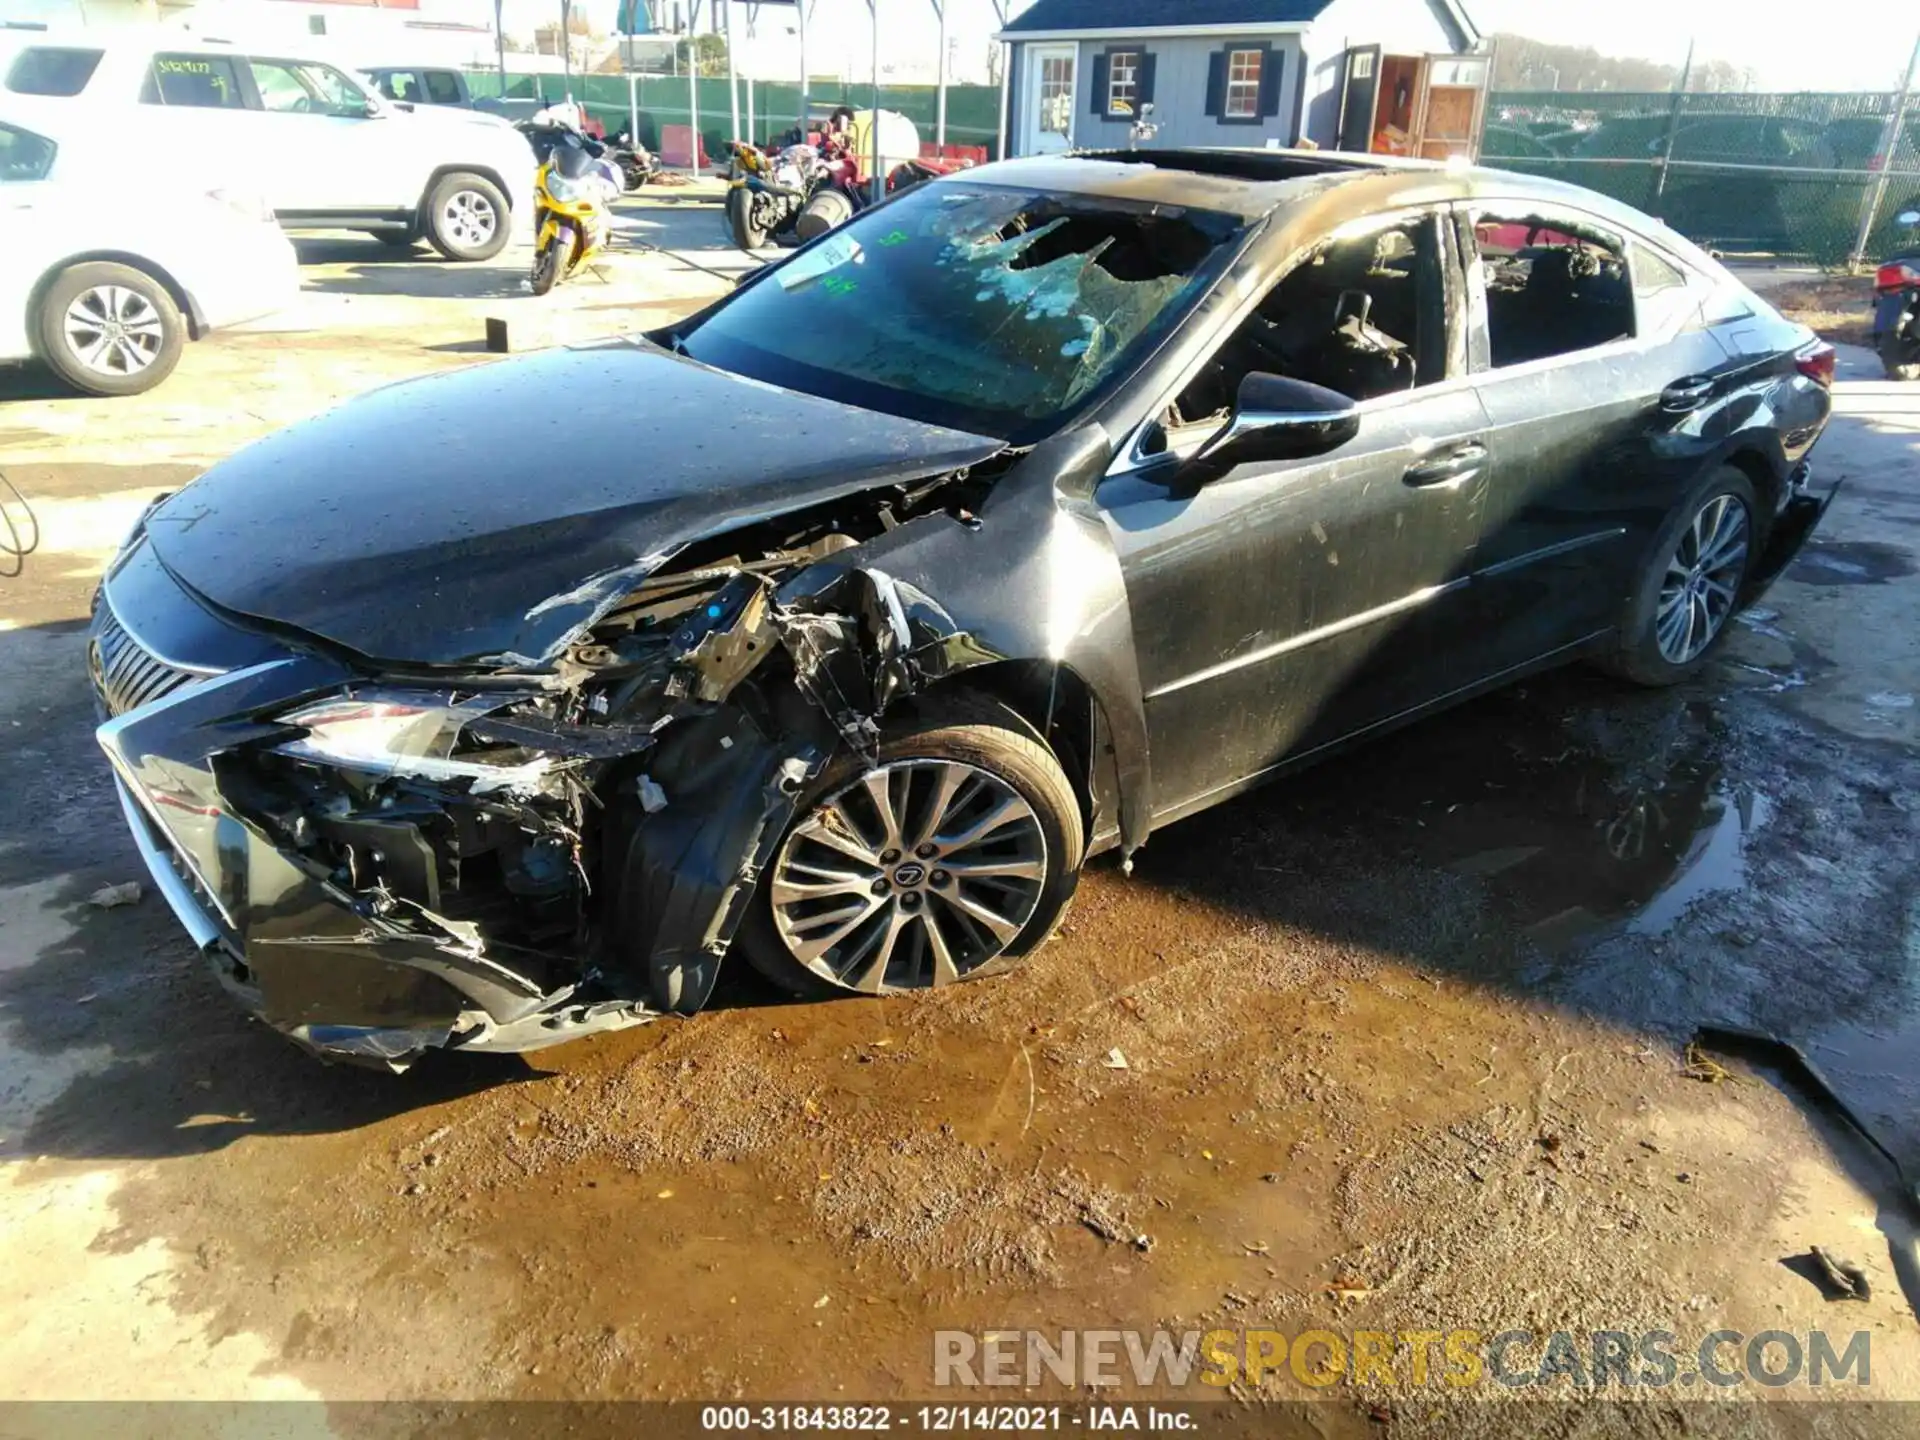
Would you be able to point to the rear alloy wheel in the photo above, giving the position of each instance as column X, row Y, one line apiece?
column 1689, row 590
column 109, row 329
column 948, row 859
column 467, row 217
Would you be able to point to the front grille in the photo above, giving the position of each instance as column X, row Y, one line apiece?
column 125, row 675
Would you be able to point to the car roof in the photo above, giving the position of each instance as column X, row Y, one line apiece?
column 1314, row 192
column 1252, row 184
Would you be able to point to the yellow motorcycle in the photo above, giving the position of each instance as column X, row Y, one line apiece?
column 572, row 218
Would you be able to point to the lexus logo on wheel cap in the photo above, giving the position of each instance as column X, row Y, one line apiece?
column 909, row 874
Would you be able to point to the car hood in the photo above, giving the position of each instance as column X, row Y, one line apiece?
column 486, row 515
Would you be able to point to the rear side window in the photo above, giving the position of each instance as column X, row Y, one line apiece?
column 442, row 88
column 24, row 155
column 51, row 70
column 206, row 82
column 1553, row 287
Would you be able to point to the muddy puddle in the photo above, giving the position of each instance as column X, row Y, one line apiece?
column 1583, row 815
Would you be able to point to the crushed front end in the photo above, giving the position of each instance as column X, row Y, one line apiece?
column 380, row 861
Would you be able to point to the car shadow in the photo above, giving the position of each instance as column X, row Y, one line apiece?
column 363, row 265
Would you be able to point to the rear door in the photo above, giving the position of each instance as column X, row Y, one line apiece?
column 194, row 111
column 1589, row 352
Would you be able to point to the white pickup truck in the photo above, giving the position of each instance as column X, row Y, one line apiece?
column 325, row 151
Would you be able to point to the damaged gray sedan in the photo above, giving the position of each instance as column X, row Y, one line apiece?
column 837, row 624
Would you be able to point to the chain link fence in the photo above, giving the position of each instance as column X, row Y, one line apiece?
column 1789, row 175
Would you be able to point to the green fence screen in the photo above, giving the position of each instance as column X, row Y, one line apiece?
column 973, row 111
column 1785, row 174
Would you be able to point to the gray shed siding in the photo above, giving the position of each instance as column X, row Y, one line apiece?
column 1179, row 93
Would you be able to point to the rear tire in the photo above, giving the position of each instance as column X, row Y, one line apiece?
column 466, row 217
column 1683, row 600
column 826, row 210
column 108, row 329
column 1901, row 357
column 970, row 737
column 746, row 234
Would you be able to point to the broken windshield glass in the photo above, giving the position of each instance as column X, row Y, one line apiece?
column 991, row 309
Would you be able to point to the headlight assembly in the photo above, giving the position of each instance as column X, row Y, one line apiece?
column 408, row 733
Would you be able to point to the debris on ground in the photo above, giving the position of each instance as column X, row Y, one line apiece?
column 1702, row 1066
column 1115, row 1060
column 109, row 897
column 1349, row 1287
column 1843, row 1279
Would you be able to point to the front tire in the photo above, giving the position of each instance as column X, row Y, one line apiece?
column 1900, row 356
column 549, row 262
column 466, row 217
column 953, row 858
column 1689, row 587
column 109, row 329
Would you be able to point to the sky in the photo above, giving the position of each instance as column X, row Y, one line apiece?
column 1856, row 44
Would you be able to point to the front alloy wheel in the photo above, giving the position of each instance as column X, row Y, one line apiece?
column 1703, row 580
column 949, row 856
column 914, row 874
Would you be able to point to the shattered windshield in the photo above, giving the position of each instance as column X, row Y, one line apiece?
column 990, row 309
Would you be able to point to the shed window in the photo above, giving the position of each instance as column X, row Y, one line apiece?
column 1243, row 84
column 1123, row 82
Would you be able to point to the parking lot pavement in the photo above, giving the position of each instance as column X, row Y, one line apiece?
column 1405, row 1038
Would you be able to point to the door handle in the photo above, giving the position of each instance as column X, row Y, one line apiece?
column 1685, row 395
column 1453, row 467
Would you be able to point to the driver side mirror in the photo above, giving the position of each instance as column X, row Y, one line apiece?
column 1276, row 418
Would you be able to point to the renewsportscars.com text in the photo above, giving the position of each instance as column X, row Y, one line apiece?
column 1458, row 1359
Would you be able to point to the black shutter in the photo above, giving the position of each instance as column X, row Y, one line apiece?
column 1102, row 66
column 1143, row 89
column 1273, row 64
column 1217, row 83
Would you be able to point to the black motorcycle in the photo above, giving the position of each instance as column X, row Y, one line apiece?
column 637, row 163
column 1896, row 312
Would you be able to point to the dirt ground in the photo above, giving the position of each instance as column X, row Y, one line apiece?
column 1405, row 1040
column 1840, row 307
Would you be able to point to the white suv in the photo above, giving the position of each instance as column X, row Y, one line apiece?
column 326, row 152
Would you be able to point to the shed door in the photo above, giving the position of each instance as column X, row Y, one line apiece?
column 1362, row 95
column 1452, row 107
column 1047, row 104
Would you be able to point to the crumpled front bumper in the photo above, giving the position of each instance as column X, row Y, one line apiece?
column 307, row 957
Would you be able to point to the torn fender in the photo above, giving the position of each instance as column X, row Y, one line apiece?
column 692, row 868
column 1034, row 578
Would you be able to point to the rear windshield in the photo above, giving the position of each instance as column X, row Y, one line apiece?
column 51, row 70
column 991, row 309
